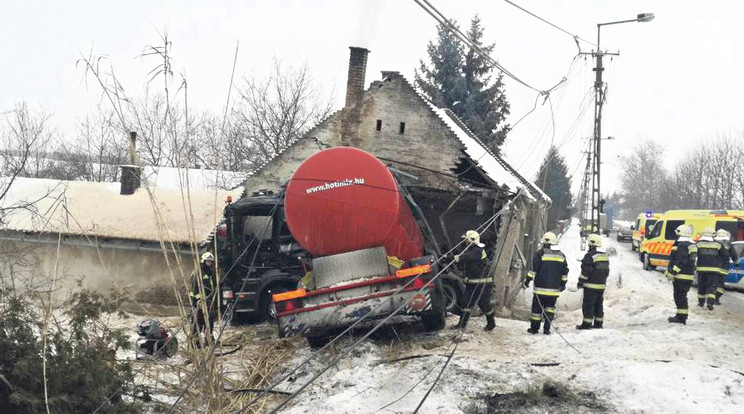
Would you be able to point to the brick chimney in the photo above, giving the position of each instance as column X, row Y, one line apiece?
column 354, row 93
column 130, row 174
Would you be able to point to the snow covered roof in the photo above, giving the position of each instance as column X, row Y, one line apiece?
column 97, row 209
column 198, row 179
column 495, row 166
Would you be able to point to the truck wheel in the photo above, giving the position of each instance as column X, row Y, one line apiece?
column 647, row 264
column 317, row 341
column 451, row 294
column 267, row 311
column 434, row 321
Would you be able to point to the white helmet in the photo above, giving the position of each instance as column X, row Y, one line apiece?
column 207, row 257
column 709, row 231
column 549, row 238
column 683, row 230
column 594, row 240
column 472, row 236
column 722, row 234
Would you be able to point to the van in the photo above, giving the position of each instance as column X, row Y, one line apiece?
column 642, row 226
column 657, row 245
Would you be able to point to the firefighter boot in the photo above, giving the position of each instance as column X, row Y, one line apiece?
column 534, row 327
column 584, row 325
column 701, row 302
column 677, row 319
column 463, row 321
column 491, row 323
column 546, row 327
column 597, row 324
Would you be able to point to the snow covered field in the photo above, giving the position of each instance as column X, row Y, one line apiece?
column 638, row 364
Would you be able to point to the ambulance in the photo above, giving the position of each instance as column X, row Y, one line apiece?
column 657, row 245
column 643, row 225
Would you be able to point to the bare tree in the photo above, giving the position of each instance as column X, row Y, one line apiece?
column 643, row 179
column 272, row 113
column 98, row 149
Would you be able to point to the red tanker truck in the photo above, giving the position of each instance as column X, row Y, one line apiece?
column 347, row 211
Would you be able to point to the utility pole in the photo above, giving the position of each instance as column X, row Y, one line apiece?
column 600, row 90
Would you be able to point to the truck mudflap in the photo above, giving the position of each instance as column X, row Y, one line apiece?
column 333, row 315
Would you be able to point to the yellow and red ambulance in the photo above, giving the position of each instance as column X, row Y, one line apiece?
column 643, row 225
column 657, row 245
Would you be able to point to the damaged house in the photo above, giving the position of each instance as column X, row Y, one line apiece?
column 457, row 182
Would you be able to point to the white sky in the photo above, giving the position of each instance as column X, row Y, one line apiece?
column 675, row 81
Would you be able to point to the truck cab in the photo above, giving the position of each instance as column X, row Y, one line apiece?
column 255, row 227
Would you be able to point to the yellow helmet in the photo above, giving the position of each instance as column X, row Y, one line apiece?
column 472, row 236
column 549, row 238
column 594, row 240
column 207, row 257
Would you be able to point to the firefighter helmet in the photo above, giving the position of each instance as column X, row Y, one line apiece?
column 472, row 236
column 594, row 240
column 722, row 234
column 709, row 231
column 149, row 328
column 207, row 257
column 549, row 238
column 684, row 230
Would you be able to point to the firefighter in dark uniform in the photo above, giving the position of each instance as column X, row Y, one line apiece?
column 681, row 271
column 723, row 237
column 710, row 257
column 595, row 267
column 204, row 302
column 550, row 273
column 478, row 285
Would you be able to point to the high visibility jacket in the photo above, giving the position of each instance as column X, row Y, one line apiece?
column 595, row 267
column 207, row 275
column 550, row 272
column 475, row 263
column 711, row 255
column 682, row 259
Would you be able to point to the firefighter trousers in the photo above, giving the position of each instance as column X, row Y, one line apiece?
column 720, row 285
column 202, row 323
column 480, row 294
column 593, row 307
column 542, row 305
column 681, row 287
column 707, row 282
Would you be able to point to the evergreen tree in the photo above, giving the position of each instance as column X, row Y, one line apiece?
column 553, row 179
column 461, row 80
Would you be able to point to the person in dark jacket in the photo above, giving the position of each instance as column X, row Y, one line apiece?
column 595, row 267
column 710, row 257
column 203, row 296
column 478, row 285
column 681, row 271
column 550, row 273
column 723, row 237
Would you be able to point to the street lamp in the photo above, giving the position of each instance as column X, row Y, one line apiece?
column 599, row 97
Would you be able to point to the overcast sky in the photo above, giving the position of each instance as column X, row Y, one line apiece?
column 676, row 81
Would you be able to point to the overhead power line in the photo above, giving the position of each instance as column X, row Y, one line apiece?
column 575, row 37
column 447, row 24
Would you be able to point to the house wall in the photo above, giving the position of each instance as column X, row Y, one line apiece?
column 144, row 275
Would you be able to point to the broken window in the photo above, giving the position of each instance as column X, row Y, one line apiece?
column 402, row 128
column 379, row 124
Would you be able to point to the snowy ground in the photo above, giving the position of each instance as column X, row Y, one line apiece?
column 638, row 363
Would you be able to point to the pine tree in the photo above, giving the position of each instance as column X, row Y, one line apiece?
column 553, row 179
column 461, row 80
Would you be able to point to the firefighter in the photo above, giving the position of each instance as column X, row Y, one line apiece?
column 478, row 285
column 710, row 257
column 595, row 267
column 723, row 237
column 203, row 323
column 681, row 271
column 550, row 274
